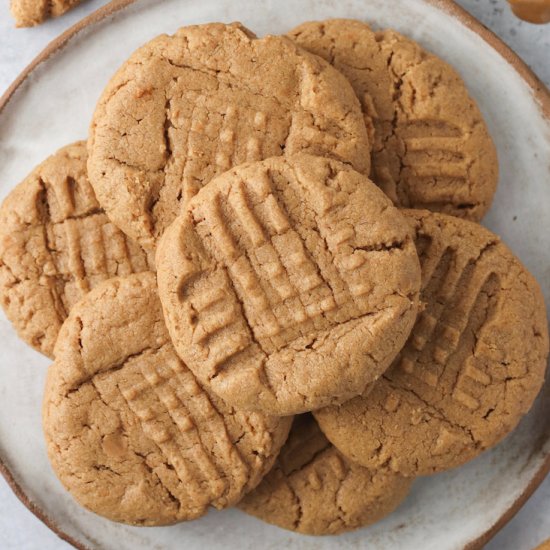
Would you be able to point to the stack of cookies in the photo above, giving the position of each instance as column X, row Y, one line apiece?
column 262, row 282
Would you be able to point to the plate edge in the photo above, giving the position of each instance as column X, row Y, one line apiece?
column 37, row 511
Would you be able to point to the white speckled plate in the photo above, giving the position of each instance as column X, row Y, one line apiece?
column 50, row 106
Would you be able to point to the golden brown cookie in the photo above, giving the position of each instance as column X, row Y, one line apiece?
column 129, row 431
column 431, row 145
column 288, row 284
column 56, row 244
column 187, row 107
column 28, row 13
column 313, row 489
column 471, row 368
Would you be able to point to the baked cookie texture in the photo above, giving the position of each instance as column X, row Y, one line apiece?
column 431, row 145
column 29, row 13
column 56, row 244
column 187, row 107
column 129, row 431
column 288, row 284
column 471, row 368
column 314, row 490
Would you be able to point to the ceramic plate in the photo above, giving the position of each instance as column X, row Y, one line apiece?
column 51, row 106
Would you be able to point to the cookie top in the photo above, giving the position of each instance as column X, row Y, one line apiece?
column 56, row 243
column 288, row 284
column 129, row 431
column 187, row 107
column 28, row 13
column 471, row 368
column 431, row 146
column 313, row 489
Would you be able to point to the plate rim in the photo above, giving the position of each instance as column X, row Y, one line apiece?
column 540, row 92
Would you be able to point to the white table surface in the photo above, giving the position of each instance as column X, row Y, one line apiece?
column 19, row 529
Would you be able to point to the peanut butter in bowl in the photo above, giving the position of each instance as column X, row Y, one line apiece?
column 532, row 11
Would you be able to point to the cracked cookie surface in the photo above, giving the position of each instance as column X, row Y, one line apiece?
column 313, row 489
column 289, row 284
column 473, row 364
column 129, row 431
column 187, row 107
column 56, row 243
column 28, row 13
column 431, row 147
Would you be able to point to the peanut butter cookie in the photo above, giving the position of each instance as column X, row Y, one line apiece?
column 313, row 489
column 431, row 145
column 129, row 431
column 28, row 13
column 187, row 107
column 471, row 368
column 289, row 284
column 56, row 244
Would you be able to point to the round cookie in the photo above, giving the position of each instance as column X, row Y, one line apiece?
column 288, row 284
column 187, row 107
column 129, row 431
column 471, row 368
column 313, row 489
column 56, row 243
column 431, row 146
